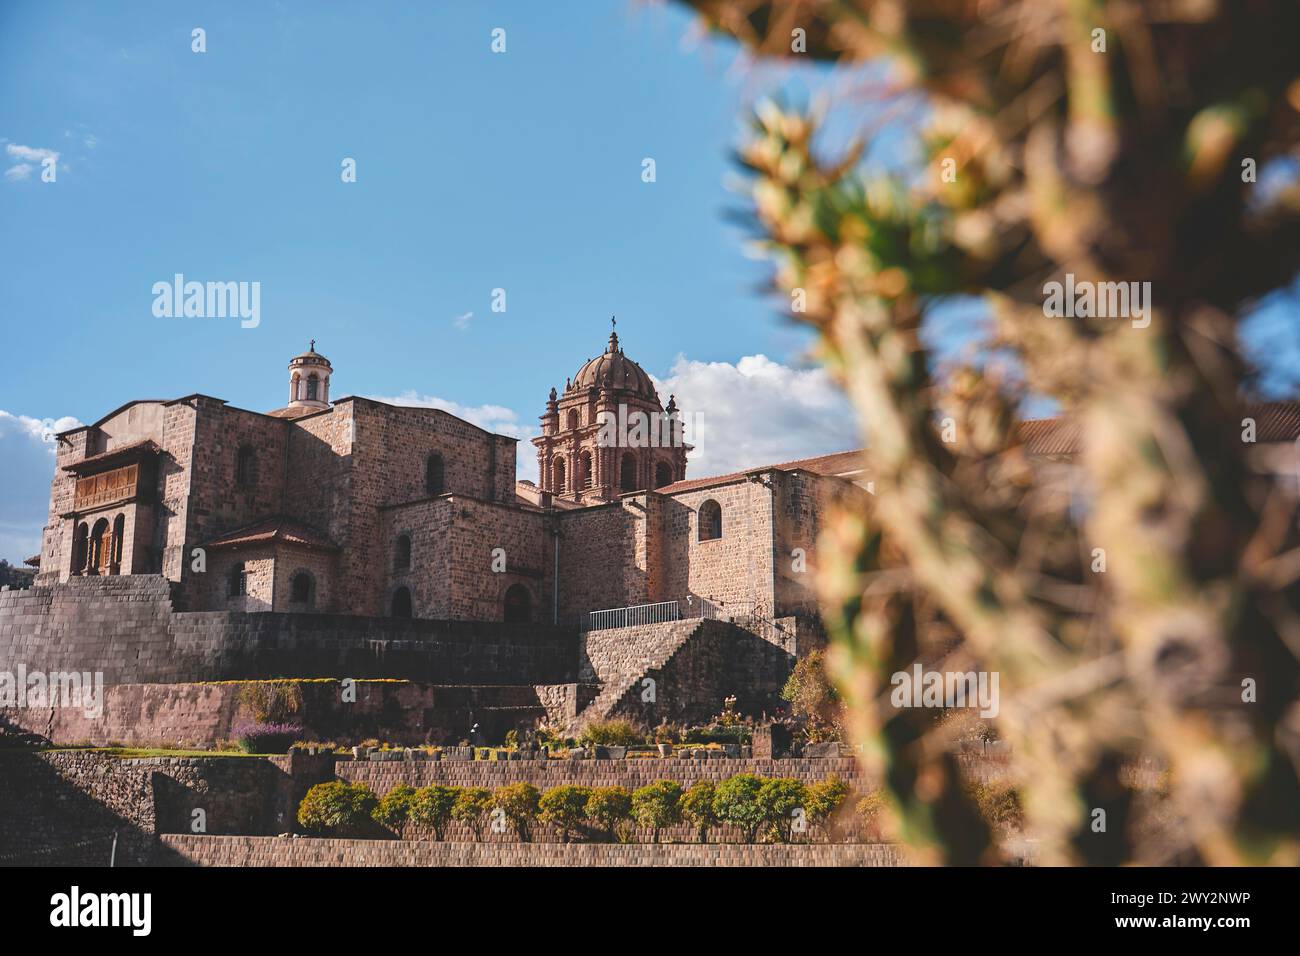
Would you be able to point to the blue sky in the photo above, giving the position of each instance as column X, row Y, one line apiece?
column 475, row 171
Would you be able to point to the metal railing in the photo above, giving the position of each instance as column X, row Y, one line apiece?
column 660, row 613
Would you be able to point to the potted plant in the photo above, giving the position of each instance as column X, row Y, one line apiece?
column 666, row 735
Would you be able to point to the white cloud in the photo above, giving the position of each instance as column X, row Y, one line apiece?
column 30, row 153
column 462, row 321
column 494, row 418
column 757, row 412
column 753, row 413
column 26, row 157
column 27, row 453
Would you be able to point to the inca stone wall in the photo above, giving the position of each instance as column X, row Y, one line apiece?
column 125, row 627
column 64, row 806
column 263, row 851
column 204, row 715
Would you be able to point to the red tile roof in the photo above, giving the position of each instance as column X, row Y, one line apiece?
column 133, row 450
column 279, row 530
column 1047, row 437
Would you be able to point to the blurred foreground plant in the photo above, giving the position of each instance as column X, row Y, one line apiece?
column 1124, row 602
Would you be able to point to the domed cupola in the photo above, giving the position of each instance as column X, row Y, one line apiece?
column 605, row 435
column 309, row 380
column 613, row 370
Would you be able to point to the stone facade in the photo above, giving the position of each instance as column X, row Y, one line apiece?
column 364, row 508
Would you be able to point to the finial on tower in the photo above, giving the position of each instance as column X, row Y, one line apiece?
column 312, row 346
column 613, row 335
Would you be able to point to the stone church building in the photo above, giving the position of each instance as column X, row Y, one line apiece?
column 353, row 506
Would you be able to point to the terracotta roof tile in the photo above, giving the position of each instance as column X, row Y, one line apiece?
column 1274, row 422
column 279, row 530
column 136, row 448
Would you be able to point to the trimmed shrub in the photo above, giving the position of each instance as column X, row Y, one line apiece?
column 611, row 733
column 432, row 808
column 736, row 802
column 779, row 800
column 657, row 805
column 518, row 801
column 395, row 808
column 824, row 799
column 564, row 807
column 337, row 808
column 719, row 734
column 255, row 737
column 607, row 808
column 472, row 806
column 697, row 808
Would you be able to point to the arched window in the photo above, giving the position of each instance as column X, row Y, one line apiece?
column 402, row 602
column 557, row 468
column 710, row 520
column 302, row 589
column 80, row 549
column 433, row 475
column 99, row 547
column 313, row 387
column 573, row 419
column 115, row 552
column 246, row 466
column 627, row 473
column 518, row 605
column 584, row 470
column 402, row 553
column 663, row 474
column 293, row 387
column 237, row 583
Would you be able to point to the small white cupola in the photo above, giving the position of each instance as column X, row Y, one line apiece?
column 309, row 379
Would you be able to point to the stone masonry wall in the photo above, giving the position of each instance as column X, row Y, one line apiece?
column 735, row 570
column 600, row 566
column 264, row 851
column 65, row 806
column 125, row 628
column 204, row 715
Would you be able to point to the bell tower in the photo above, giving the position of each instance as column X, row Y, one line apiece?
column 309, row 380
column 608, row 434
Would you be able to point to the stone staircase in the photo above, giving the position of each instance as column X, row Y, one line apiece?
column 620, row 659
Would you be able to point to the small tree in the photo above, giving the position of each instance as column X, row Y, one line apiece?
column 736, row 802
column 433, row 807
column 395, row 808
column 336, row 808
column 813, row 698
column 824, row 799
column 518, row 801
column 657, row 805
column 564, row 807
column 607, row 807
column 697, row 808
column 780, row 799
column 868, row 810
column 472, row 806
